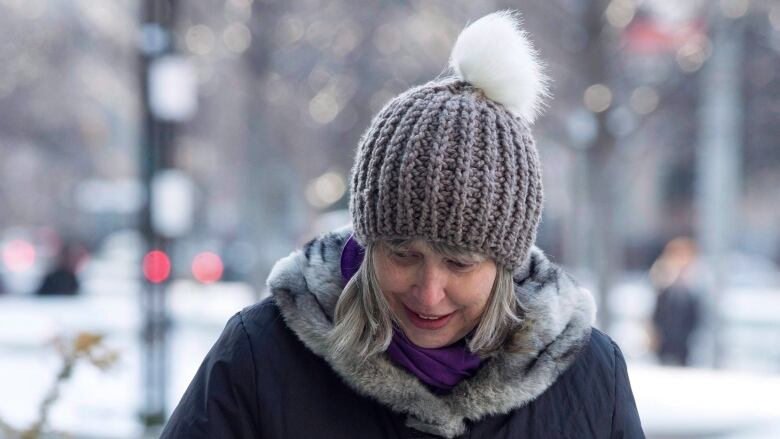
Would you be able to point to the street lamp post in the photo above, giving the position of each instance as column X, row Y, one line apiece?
column 156, row 41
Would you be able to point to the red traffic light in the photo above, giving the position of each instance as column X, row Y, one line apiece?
column 207, row 267
column 157, row 266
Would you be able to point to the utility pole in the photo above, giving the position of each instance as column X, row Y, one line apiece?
column 155, row 153
column 718, row 162
column 596, row 170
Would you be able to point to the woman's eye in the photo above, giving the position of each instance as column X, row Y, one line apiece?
column 402, row 255
column 458, row 265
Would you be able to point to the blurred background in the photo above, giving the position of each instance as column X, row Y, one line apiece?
column 156, row 158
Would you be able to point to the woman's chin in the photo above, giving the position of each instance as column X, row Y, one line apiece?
column 428, row 343
column 428, row 339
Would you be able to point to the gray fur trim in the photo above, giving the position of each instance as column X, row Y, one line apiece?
column 307, row 283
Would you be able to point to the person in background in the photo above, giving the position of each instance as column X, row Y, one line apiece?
column 677, row 309
column 61, row 280
column 433, row 315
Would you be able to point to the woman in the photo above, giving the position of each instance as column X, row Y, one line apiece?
column 434, row 315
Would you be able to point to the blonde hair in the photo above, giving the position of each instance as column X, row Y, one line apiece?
column 363, row 321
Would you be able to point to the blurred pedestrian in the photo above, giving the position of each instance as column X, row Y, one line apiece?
column 678, row 308
column 433, row 315
column 61, row 280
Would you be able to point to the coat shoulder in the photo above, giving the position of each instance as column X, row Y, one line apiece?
column 269, row 336
column 597, row 362
column 598, row 382
column 261, row 316
column 602, row 347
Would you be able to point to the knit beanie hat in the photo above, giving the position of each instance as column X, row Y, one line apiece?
column 453, row 161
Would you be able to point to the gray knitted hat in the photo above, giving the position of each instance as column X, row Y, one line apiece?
column 453, row 161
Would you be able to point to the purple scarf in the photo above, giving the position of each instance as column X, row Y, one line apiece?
column 440, row 369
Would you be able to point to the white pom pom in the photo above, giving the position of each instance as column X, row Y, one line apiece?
column 495, row 54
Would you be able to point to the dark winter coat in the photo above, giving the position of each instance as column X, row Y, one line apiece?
column 271, row 374
column 676, row 316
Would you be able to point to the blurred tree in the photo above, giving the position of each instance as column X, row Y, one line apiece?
column 67, row 96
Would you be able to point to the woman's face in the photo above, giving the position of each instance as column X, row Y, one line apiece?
column 436, row 299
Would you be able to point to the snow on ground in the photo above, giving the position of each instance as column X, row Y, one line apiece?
column 690, row 402
column 94, row 403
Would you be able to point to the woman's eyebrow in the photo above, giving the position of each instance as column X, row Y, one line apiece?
column 398, row 244
column 472, row 258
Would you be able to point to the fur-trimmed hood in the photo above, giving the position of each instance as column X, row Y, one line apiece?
column 559, row 315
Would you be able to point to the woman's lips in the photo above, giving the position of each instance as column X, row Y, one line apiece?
column 428, row 323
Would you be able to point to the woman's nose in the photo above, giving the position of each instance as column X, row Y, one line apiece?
column 431, row 284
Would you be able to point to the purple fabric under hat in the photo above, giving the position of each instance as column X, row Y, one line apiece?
column 440, row 369
column 351, row 257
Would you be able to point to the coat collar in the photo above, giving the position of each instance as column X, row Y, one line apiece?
column 559, row 315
